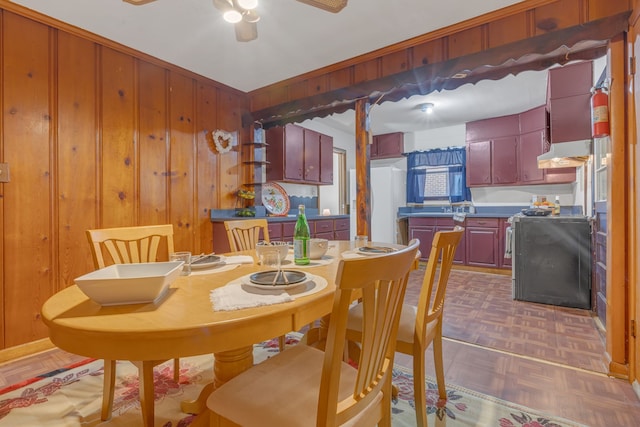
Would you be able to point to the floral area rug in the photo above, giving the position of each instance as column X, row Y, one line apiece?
column 72, row 396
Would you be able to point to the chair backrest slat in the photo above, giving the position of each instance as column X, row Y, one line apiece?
column 127, row 245
column 244, row 234
column 430, row 303
column 380, row 282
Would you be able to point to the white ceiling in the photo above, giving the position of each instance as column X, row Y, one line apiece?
column 294, row 38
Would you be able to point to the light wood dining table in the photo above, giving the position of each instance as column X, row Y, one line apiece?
column 183, row 323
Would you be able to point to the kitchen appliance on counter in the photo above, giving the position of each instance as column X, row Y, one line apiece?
column 551, row 260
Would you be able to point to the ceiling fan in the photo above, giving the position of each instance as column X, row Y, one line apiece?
column 243, row 15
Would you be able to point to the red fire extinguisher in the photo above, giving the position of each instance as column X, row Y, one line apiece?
column 600, row 113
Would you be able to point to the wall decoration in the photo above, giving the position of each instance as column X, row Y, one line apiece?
column 224, row 141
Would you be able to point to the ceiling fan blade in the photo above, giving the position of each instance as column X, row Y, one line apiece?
column 334, row 6
column 250, row 16
column 246, row 31
column 138, row 2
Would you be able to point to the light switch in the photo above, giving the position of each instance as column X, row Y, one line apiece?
column 4, row 172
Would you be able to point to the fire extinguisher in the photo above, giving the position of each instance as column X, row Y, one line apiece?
column 600, row 113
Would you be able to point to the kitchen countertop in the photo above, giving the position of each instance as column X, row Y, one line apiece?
column 278, row 218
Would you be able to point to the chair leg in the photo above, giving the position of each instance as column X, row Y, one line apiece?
column 437, row 358
column 176, row 370
column 282, row 339
column 419, row 392
column 108, row 388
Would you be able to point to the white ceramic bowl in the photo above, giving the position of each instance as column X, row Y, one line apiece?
column 129, row 283
column 281, row 247
column 317, row 248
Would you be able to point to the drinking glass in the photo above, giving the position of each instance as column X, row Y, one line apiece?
column 182, row 256
column 361, row 241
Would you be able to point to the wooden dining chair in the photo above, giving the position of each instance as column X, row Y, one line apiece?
column 307, row 386
column 243, row 234
column 129, row 245
column 422, row 324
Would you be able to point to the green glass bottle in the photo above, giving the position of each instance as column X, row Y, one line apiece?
column 301, row 237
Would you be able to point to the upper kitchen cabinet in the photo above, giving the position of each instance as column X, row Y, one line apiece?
column 296, row 154
column 492, row 151
column 387, row 146
column 568, row 100
column 504, row 151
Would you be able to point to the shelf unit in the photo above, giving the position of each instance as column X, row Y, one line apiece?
column 256, row 160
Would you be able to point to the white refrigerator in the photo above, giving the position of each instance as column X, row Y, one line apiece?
column 388, row 193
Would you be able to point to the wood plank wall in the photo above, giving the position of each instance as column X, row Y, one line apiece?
column 499, row 28
column 96, row 137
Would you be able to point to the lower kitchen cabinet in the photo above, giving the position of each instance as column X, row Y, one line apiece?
column 330, row 229
column 483, row 246
column 425, row 229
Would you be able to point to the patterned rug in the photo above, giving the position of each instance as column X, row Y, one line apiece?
column 72, row 396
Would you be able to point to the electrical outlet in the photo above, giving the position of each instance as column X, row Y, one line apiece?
column 4, row 172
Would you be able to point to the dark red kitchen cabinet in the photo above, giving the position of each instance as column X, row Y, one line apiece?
column 479, row 163
column 504, row 166
column 326, row 159
column 285, row 153
column 482, row 244
column 387, row 146
column 296, row 154
column 570, row 118
column 423, row 229
column 570, row 80
column 569, row 96
column 533, row 120
column 495, row 127
column 311, row 155
column 531, row 145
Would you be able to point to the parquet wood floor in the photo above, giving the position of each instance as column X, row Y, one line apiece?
column 544, row 357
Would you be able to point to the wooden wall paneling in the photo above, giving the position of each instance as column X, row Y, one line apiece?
column 28, row 236
column 77, row 184
column 366, row 71
column 508, row 29
column 599, row 9
column 339, row 79
column 466, row 42
column 229, row 113
column 316, row 85
column 206, row 183
column 558, row 15
column 182, row 161
column 298, row 90
column 395, row 62
column 428, row 53
column 119, row 156
column 154, row 147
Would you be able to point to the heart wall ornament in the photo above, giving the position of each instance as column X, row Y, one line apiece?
column 224, row 141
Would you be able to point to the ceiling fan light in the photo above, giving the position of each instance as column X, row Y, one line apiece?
column 232, row 16
column 247, row 4
column 426, row 108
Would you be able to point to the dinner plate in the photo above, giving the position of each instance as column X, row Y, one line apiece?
column 264, row 279
column 207, row 262
column 275, row 199
column 375, row 250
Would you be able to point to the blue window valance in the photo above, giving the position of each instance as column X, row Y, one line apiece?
column 454, row 159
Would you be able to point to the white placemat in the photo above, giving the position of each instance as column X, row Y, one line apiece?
column 230, row 262
column 236, row 295
column 325, row 260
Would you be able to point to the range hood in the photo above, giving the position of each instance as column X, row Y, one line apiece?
column 565, row 154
